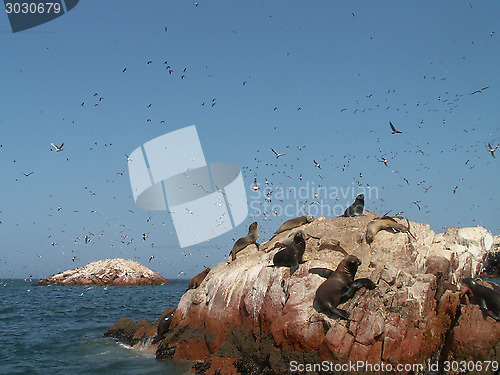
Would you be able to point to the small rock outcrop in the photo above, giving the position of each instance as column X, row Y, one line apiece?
column 113, row 272
column 247, row 317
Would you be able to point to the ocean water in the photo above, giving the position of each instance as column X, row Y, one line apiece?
column 59, row 329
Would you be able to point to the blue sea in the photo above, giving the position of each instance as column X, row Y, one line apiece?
column 59, row 329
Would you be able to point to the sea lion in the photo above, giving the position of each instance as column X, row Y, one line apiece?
column 443, row 285
column 339, row 286
column 291, row 256
column 356, row 209
column 489, row 299
column 294, row 223
column 164, row 324
column 288, row 241
column 385, row 222
column 331, row 245
column 196, row 281
column 249, row 239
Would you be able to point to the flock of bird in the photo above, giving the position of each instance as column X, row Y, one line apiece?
column 273, row 172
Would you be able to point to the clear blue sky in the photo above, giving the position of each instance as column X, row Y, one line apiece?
column 351, row 67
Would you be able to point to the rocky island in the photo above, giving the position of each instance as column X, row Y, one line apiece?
column 113, row 272
column 247, row 317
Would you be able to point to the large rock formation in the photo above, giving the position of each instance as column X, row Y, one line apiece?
column 246, row 316
column 116, row 272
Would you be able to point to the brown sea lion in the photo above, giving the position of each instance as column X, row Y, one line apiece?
column 292, row 254
column 196, row 281
column 250, row 238
column 294, row 223
column 385, row 222
column 288, row 241
column 356, row 209
column 489, row 299
column 339, row 286
column 331, row 245
column 442, row 286
column 164, row 324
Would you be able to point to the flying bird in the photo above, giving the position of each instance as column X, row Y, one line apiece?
column 316, row 164
column 27, row 175
column 58, row 148
column 480, row 90
column 276, row 153
column 255, row 187
column 490, row 149
column 394, row 131
column 128, row 157
column 385, row 161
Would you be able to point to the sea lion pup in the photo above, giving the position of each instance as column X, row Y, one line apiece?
column 294, row 223
column 331, row 245
column 196, row 281
column 339, row 286
column 291, row 256
column 250, row 238
column 356, row 209
column 385, row 222
column 489, row 299
column 164, row 324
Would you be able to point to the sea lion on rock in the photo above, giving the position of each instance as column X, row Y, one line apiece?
column 250, row 238
column 331, row 245
column 289, row 240
column 443, row 285
column 164, row 324
column 339, row 286
column 196, row 281
column 294, row 223
column 291, row 256
column 489, row 299
column 356, row 209
column 385, row 222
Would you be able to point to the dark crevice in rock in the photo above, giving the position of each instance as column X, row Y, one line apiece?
column 448, row 338
column 163, row 351
column 201, row 367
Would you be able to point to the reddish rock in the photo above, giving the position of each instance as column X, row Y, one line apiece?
column 473, row 334
column 265, row 317
column 192, row 349
column 221, row 366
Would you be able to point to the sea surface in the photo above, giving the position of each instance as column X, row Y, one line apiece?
column 59, row 329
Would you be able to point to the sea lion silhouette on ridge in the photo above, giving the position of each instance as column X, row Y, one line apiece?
column 339, row 286
column 356, row 209
column 250, row 238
